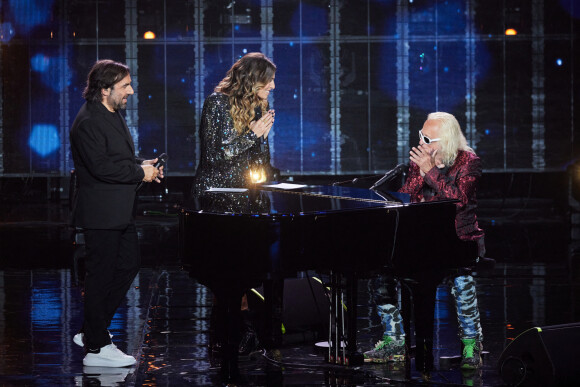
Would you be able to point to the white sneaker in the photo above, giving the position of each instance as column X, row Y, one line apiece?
column 108, row 356
column 79, row 339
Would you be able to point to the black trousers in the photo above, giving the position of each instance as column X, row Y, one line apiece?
column 112, row 262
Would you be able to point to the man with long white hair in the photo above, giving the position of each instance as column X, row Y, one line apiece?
column 442, row 166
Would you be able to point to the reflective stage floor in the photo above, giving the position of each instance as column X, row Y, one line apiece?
column 165, row 319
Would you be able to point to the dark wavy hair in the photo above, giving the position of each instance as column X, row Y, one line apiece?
column 241, row 84
column 104, row 74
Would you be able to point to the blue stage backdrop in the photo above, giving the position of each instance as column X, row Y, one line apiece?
column 355, row 80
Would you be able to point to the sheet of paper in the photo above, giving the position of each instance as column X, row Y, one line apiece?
column 235, row 190
column 285, row 186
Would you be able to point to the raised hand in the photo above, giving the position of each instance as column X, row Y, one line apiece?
column 425, row 158
column 263, row 125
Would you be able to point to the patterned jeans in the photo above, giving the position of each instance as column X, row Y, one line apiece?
column 383, row 291
column 464, row 293
column 384, row 294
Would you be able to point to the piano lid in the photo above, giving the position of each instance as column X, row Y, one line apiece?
column 309, row 200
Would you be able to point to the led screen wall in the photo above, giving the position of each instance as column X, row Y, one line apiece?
column 355, row 79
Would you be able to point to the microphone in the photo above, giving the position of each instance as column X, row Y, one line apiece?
column 161, row 160
column 390, row 175
column 263, row 143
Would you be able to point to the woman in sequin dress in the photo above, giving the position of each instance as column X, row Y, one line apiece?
column 234, row 127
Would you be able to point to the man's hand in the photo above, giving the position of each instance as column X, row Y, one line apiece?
column 424, row 158
column 152, row 173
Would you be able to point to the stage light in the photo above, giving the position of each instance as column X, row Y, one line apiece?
column 50, row 73
column 258, row 175
column 559, row 62
column 149, row 35
column 40, row 63
column 44, row 139
column 7, row 32
column 27, row 15
column 511, row 31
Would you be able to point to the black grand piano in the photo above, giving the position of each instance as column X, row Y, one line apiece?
column 232, row 241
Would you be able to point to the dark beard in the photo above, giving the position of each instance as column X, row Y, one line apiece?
column 117, row 105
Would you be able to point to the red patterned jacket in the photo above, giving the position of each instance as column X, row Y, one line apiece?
column 456, row 182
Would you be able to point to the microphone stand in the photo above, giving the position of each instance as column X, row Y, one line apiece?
column 355, row 180
column 390, row 175
column 387, row 196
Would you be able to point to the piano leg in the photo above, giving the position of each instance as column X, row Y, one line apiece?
column 336, row 339
column 273, row 306
column 341, row 321
column 424, row 308
column 228, row 321
column 354, row 357
column 406, row 304
column 423, row 291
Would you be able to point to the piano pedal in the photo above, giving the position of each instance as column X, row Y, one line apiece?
column 352, row 359
column 331, row 351
column 343, row 360
column 338, row 360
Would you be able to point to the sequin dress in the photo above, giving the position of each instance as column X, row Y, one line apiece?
column 227, row 156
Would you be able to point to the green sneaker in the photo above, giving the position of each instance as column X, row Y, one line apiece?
column 386, row 350
column 471, row 357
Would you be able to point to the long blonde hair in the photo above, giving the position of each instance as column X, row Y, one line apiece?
column 452, row 138
column 241, row 84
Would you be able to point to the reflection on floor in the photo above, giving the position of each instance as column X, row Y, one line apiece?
column 165, row 320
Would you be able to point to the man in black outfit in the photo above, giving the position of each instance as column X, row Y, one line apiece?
column 108, row 175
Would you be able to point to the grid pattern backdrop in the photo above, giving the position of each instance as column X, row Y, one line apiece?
column 355, row 79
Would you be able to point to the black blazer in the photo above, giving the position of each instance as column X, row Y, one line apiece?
column 106, row 169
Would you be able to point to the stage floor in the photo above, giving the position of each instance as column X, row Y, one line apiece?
column 165, row 319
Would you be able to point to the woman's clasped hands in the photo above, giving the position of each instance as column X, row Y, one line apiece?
column 262, row 127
